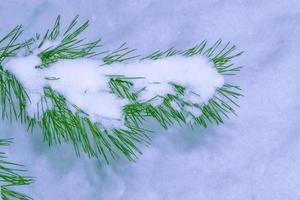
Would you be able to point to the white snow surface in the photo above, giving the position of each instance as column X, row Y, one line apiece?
column 196, row 74
column 84, row 82
column 254, row 156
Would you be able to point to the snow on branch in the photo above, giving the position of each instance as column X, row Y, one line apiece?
column 58, row 82
column 84, row 83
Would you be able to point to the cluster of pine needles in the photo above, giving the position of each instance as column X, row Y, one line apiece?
column 66, row 122
column 11, row 175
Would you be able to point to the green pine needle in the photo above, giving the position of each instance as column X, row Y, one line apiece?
column 69, row 47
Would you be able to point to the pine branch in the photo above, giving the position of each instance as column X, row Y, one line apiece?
column 65, row 122
column 221, row 104
column 10, row 176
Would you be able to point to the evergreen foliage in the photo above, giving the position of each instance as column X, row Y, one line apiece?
column 65, row 122
column 11, row 176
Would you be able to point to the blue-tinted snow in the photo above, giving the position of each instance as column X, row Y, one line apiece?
column 253, row 156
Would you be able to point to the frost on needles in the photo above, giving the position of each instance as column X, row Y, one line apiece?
column 98, row 100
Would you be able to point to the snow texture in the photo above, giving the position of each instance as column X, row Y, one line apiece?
column 196, row 74
column 84, row 82
column 253, row 156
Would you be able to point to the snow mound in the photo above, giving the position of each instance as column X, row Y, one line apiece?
column 84, row 82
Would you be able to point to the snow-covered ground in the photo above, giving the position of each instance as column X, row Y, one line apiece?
column 253, row 156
